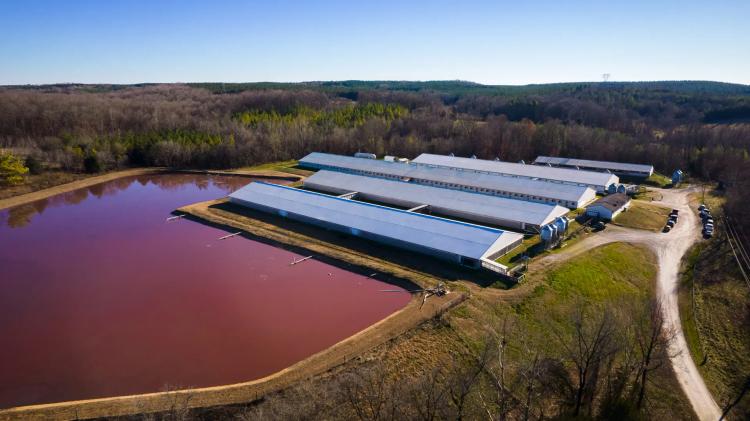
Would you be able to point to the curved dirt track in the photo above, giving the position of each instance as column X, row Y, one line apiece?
column 669, row 249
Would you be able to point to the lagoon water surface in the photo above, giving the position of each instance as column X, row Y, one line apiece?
column 100, row 296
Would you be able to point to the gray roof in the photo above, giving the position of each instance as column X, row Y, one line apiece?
column 546, row 189
column 460, row 238
column 605, row 165
column 591, row 178
column 612, row 202
column 478, row 204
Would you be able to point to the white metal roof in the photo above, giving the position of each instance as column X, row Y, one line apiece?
column 460, row 238
column 590, row 178
column 524, row 186
column 604, row 165
column 478, row 204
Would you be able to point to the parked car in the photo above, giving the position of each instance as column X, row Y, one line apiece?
column 675, row 212
column 667, row 228
column 670, row 223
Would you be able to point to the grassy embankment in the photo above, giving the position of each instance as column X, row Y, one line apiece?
column 612, row 276
column 715, row 312
column 532, row 247
column 289, row 167
column 32, row 183
column 49, row 179
column 643, row 215
column 658, row 180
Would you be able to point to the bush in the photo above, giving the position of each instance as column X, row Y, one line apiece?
column 34, row 165
column 12, row 169
column 91, row 164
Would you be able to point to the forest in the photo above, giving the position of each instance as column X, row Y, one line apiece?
column 699, row 127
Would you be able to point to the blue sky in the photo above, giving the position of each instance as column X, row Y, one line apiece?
column 495, row 42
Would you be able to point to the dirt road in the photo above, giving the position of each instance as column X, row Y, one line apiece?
column 669, row 249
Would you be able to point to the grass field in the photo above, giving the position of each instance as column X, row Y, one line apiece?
column 715, row 310
column 289, row 167
column 643, row 215
column 616, row 276
column 658, row 180
column 613, row 273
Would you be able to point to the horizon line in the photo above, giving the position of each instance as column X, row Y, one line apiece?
column 378, row 80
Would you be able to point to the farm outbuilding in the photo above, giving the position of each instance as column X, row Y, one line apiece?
column 570, row 196
column 599, row 181
column 481, row 208
column 608, row 207
column 619, row 168
column 462, row 243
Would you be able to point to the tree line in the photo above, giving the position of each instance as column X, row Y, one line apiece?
column 95, row 128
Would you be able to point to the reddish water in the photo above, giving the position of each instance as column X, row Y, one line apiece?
column 99, row 296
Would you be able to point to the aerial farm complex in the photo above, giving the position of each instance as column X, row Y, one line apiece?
column 464, row 210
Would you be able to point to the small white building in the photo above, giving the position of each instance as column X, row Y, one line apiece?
column 608, row 207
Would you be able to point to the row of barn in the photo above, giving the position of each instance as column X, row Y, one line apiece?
column 383, row 200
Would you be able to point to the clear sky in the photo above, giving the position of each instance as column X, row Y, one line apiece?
column 494, row 42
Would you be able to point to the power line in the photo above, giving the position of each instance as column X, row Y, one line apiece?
column 737, row 239
column 739, row 262
column 735, row 236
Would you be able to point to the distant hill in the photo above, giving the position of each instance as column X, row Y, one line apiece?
column 458, row 87
column 445, row 87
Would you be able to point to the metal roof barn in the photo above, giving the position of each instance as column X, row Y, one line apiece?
column 571, row 196
column 621, row 168
column 597, row 180
column 459, row 242
column 481, row 208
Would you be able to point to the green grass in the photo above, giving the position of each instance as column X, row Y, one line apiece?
column 289, row 167
column 643, row 215
column 279, row 165
column 605, row 273
column 612, row 274
column 529, row 245
column 685, row 300
column 658, row 180
column 616, row 276
column 716, row 323
column 532, row 247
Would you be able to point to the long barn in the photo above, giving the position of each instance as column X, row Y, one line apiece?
column 620, row 168
column 570, row 196
column 466, row 244
column 597, row 180
column 480, row 208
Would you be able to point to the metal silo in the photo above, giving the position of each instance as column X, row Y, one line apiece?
column 546, row 233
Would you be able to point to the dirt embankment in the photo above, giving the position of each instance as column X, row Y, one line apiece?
column 79, row 184
column 93, row 180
